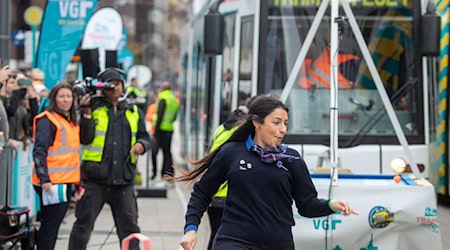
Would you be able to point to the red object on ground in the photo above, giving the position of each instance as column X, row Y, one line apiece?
column 137, row 236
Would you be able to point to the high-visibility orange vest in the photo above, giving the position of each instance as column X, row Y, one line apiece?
column 63, row 159
column 150, row 115
column 317, row 72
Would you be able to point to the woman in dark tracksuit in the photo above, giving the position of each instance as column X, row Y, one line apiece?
column 264, row 178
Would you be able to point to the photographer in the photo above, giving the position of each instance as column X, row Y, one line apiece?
column 4, row 125
column 114, row 134
column 20, row 100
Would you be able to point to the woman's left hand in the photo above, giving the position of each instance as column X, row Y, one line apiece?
column 47, row 187
column 343, row 207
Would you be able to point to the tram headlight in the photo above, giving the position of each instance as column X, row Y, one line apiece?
column 398, row 165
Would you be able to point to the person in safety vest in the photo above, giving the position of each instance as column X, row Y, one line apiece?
column 56, row 161
column 135, row 95
column 114, row 134
column 317, row 72
column 221, row 135
column 149, row 116
column 167, row 109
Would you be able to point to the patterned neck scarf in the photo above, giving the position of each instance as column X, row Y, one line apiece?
column 271, row 154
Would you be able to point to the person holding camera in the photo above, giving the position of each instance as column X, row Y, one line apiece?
column 4, row 124
column 113, row 133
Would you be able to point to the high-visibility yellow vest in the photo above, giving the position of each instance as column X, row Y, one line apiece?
column 220, row 137
column 137, row 92
column 170, row 110
column 94, row 151
column 63, row 158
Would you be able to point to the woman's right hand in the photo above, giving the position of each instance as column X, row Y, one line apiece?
column 4, row 73
column 79, row 193
column 189, row 240
column 84, row 103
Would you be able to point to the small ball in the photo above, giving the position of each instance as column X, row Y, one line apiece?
column 397, row 179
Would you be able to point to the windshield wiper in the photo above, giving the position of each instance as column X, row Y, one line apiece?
column 395, row 98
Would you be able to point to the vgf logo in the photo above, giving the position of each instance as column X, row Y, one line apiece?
column 74, row 8
column 325, row 224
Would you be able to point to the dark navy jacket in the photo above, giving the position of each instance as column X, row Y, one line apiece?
column 259, row 202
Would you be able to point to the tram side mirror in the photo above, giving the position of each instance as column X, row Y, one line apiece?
column 213, row 33
column 430, row 31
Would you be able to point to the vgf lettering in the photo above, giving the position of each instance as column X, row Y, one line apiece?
column 324, row 224
column 74, row 9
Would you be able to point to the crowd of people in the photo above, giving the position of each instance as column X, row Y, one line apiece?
column 21, row 94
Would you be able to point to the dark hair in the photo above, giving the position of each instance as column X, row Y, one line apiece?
column 260, row 107
column 52, row 98
column 234, row 118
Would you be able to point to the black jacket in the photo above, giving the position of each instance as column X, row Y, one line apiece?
column 116, row 167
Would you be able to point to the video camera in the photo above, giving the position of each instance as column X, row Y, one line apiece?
column 87, row 86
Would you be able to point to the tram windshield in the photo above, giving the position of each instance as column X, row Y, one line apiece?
column 387, row 28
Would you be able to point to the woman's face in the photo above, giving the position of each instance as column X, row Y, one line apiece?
column 64, row 99
column 273, row 129
column 11, row 84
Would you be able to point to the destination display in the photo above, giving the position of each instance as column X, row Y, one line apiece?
column 361, row 3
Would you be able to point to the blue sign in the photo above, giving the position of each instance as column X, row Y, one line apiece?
column 18, row 37
column 61, row 32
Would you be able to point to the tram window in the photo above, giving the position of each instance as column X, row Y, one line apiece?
column 388, row 33
column 228, row 61
column 245, row 60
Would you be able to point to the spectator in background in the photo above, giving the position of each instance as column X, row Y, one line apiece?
column 4, row 73
column 6, row 108
column 166, row 113
column 136, row 95
column 71, row 77
column 21, row 123
column 4, row 124
column 37, row 76
column 149, row 117
column 42, row 92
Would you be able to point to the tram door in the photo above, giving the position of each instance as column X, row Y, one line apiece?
column 237, row 68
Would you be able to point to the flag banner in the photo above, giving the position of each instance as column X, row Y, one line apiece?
column 103, row 32
column 62, row 28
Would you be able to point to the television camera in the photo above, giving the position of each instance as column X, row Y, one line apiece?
column 94, row 89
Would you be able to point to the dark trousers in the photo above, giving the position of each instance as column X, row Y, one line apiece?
column 215, row 219
column 123, row 204
column 164, row 142
column 155, row 150
column 51, row 217
column 223, row 242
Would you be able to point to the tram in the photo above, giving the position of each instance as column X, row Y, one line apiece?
column 287, row 48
